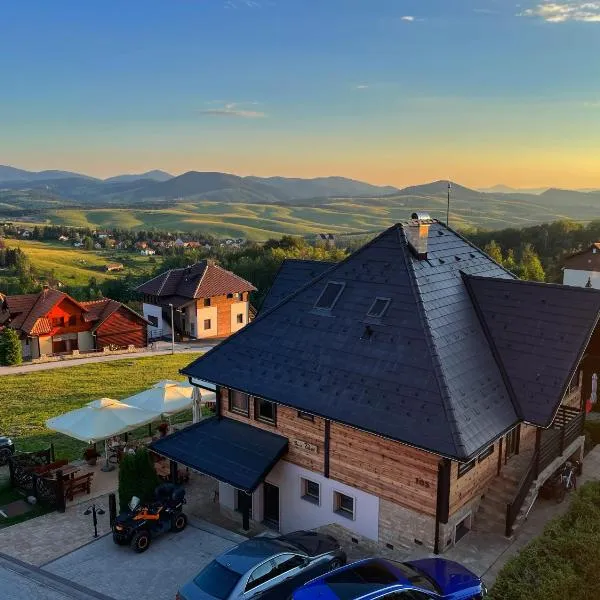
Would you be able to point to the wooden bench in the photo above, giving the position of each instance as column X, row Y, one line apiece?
column 81, row 484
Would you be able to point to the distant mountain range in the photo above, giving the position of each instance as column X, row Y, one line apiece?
column 26, row 193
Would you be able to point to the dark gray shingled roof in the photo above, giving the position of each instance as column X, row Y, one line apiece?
column 292, row 275
column 230, row 451
column 426, row 376
column 540, row 332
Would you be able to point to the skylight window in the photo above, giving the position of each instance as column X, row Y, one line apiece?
column 330, row 295
column 379, row 307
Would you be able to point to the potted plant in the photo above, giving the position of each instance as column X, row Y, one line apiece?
column 163, row 428
column 90, row 455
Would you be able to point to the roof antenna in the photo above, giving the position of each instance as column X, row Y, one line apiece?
column 448, row 207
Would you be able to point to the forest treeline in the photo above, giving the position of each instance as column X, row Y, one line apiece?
column 535, row 253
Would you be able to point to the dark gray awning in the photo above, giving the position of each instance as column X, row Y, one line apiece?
column 228, row 450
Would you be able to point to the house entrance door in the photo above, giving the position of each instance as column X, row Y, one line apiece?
column 271, row 505
column 512, row 442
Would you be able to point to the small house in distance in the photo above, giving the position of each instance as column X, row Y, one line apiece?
column 583, row 268
column 51, row 322
column 114, row 267
column 205, row 301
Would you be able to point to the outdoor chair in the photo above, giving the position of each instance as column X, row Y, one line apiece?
column 81, row 484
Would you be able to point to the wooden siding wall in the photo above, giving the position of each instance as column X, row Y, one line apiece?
column 292, row 427
column 388, row 469
column 122, row 328
column 223, row 304
column 474, row 482
column 527, row 440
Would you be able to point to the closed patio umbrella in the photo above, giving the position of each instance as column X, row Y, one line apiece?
column 594, row 388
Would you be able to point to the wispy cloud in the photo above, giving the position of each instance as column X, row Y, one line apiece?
column 408, row 18
column 362, row 86
column 561, row 12
column 233, row 109
column 242, row 4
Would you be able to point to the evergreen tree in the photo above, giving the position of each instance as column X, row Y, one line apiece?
column 10, row 347
column 88, row 243
column 137, row 477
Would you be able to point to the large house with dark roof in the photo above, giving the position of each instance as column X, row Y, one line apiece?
column 409, row 393
column 583, row 268
column 204, row 301
column 51, row 322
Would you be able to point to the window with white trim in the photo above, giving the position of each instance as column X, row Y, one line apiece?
column 329, row 296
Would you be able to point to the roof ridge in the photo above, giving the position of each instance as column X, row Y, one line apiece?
column 490, row 339
column 201, row 279
column 439, row 373
column 560, row 286
column 290, row 297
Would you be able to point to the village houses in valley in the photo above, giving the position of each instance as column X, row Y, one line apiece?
column 409, row 393
column 199, row 301
column 51, row 322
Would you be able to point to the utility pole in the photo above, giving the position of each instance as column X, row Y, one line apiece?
column 448, row 208
column 172, row 331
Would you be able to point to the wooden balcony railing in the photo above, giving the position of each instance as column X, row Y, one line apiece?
column 551, row 443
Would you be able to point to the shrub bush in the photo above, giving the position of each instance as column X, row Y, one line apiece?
column 10, row 347
column 137, row 477
column 563, row 562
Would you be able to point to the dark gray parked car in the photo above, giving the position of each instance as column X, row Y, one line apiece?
column 7, row 448
column 266, row 568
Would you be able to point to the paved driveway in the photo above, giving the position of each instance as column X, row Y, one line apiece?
column 120, row 573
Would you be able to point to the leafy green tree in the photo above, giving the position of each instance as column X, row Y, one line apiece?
column 531, row 265
column 11, row 352
column 510, row 262
column 88, row 242
column 494, row 251
column 137, row 477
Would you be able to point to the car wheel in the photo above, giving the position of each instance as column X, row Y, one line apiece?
column 178, row 523
column 119, row 540
column 336, row 563
column 140, row 541
column 4, row 456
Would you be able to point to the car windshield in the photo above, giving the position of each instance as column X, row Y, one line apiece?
column 216, row 580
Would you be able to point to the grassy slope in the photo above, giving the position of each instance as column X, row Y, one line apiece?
column 261, row 221
column 75, row 266
column 27, row 400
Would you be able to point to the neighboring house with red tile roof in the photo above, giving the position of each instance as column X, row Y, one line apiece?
column 205, row 299
column 51, row 322
column 582, row 269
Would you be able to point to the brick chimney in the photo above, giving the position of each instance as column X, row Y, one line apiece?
column 417, row 234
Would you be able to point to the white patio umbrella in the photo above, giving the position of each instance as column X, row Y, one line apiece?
column 165, row 397
column 100, row 419
column 594, row 388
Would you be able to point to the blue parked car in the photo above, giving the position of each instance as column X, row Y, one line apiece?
column 376, row 578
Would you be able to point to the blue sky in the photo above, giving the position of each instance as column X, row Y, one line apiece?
column 391, row 91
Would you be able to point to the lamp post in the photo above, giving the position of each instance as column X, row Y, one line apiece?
column 92, row 510
column 172, row 331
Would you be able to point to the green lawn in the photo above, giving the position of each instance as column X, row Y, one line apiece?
column 75, row 266
column 27, row 400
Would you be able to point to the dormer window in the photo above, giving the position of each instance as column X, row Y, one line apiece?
column 379, row 307
column 330, row 295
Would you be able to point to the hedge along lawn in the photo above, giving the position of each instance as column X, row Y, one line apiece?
column 27, row 400
column 564, row 562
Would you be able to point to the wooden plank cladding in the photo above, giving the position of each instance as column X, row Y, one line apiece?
column 388, row 469
column 474, row 482
column 306, row 438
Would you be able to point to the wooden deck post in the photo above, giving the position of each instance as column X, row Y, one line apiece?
column 61, row 501
column 246, row 503
column 173, row 471
column 500, row 455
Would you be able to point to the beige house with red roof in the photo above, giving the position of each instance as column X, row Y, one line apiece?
column 51, row 322
column 205, row 301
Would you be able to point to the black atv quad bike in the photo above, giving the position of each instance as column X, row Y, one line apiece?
column 143, row 522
